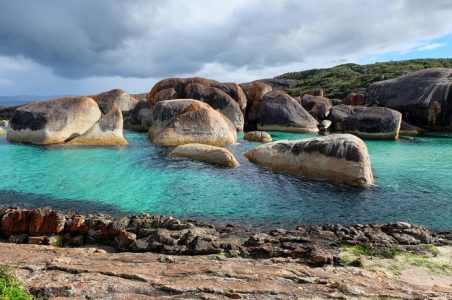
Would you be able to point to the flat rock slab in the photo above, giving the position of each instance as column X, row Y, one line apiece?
column 81, row 273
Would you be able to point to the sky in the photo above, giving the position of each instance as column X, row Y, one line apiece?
column 83, row 47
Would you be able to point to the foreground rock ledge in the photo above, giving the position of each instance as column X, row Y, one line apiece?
column 285, row 268
column 338, row 157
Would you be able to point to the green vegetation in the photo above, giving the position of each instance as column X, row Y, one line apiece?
column 10, row 287
column 358, row 250
column 339, row 81
column 424, row 261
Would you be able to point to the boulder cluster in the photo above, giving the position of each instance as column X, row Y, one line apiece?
column 206, row 114
column 316, row 245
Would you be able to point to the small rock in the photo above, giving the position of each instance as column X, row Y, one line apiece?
column 36, row 240
column 18, row 238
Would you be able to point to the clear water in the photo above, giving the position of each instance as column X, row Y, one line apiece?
column 414, row 184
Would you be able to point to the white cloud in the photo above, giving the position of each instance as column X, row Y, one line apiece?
column 431, row 46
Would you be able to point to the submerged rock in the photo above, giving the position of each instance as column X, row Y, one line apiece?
column 424, row 97
column 338, row 157
column 258, row 136
column 53, row 121
column 107, row 131
column 366, row 122
column 280, row 112
column 205, row 153
column 184, row 121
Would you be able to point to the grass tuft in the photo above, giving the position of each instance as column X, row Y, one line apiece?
column 10, row 287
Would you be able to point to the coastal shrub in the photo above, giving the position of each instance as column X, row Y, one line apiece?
column 339, row 81
column 10, row 287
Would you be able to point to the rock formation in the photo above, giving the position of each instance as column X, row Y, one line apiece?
column 184, row 121
column 118, row 97
column 107, row 131
column 228, row 98
column 53, row 121
column 338, row 157
column 258, row 136
column 353, row 99
column 4, row 123
column 424, row 97
column 140, row 118
column 366, row 122
column 205, row 153
column 2, row 131
column 318, row 106
column 280, row 112
column 218, row 100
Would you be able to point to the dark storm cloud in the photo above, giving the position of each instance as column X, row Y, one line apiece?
column 83, row 38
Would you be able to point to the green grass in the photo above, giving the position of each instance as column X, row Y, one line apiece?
column 10, row 287
column 340, row 80
column 424, row 262
column 358, row 250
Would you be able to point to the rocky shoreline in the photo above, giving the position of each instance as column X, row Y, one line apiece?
column 73, row 256
column 312, row 245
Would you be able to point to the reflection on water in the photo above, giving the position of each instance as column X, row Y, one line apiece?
column 414, row 184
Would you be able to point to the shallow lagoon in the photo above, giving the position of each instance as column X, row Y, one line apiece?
column 414, row 184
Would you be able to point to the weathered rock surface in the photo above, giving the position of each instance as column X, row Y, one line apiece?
column 252, row 265
column 354, row 99
column 94, row 273
column 280, row 112
column 423, row 97
column 318, row 106
column 338, row 157
column 217, row 99
column 107, row 131
column 4, row 123
column 258, row 136
column 53, row 121
column 256, row 90
column 366, row 122
column 161, row 234
column 117, row 97
column 2, row 131
column 206, row 153
column 178, row 122
column 140, row 118
column 228, row 98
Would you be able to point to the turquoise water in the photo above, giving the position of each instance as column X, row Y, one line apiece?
column 414, row 184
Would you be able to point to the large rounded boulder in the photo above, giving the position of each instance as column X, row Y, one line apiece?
column 53, row 121
column 337, row 157
column 366, row 122
column 228, row 98
column 117, row 97
column 218, row 100
column 424, row 97
column 318, row 106
column 280, row 112
column 184, row 121
column 108, row 131
column 206, row 153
